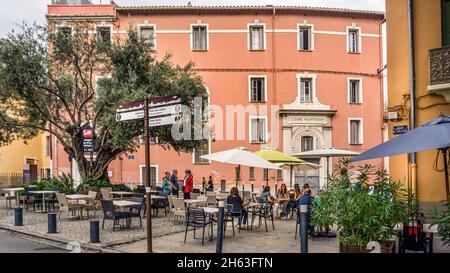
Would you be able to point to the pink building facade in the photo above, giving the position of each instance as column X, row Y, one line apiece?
column 289, row 78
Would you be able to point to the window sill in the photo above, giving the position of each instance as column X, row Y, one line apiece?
column 258, row 142
column 199, row 50
column 356, row 144
column 355, row 103
column 258, row 101
column 354, row 53
column 304, row 50
column 256, row 50
column 199, row 163
column 251, row 179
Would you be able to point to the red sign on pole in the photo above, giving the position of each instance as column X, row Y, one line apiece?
column 88, row 133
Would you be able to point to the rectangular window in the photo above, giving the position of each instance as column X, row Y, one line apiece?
column 305, row 38
column 104, row 34
column 353, row 41
column 257, row 38
column 354, row 91
column 257, row 89
column 200, row 151
column 258, row 130
column 199, row 38
column 266, row 174
column 355, row 132
column 147, row 34
column 307, row 144
column 251, row 173
column 48, row 146
column 279, row 175
column 306, row 90
column 153, row 175
column 65, row 32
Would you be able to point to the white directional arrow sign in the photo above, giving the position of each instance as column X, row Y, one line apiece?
column 164, row 120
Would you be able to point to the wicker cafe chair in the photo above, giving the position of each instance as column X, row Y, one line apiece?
column 64, row 206
column 196, row 218
column 109, row 213
column 135, row 210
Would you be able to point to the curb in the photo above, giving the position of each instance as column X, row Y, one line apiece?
column 86, row 246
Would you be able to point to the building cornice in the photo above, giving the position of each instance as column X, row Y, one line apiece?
column 251, row 10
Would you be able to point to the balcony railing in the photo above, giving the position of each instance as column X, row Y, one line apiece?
column 440, row 66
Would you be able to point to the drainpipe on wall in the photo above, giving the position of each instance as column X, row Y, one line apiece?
column 412, row 96
column 274, row 76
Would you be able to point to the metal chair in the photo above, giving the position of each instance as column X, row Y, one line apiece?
column 135, row 210
column 196, row 218
column 230, row 213
column 266, row 211
column 110, row 213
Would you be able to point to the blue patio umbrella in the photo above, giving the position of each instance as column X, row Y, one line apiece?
column 434, row 134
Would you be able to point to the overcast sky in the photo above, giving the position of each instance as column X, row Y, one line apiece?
column 13, row 12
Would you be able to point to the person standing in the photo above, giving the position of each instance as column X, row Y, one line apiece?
column 174, row 181
column 210, row 186
column 188, row 184
column 166, row 185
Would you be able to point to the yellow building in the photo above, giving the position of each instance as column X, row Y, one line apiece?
column 20, row 161
column 426, row 68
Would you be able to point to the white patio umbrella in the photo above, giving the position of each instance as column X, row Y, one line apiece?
column 327, row 152
column 240, row 156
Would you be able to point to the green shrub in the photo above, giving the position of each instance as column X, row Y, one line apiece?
column 63, row 183
column 121, row 187
column 93, row 185
column 442, row 220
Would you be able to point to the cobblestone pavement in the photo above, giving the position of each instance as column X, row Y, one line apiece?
column 78, row 230
column 280, row 240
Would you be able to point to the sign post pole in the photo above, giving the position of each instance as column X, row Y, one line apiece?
column 148, row 176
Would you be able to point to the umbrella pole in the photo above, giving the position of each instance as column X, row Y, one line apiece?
column 328, row 169
column 444, row 153
column 290, row 177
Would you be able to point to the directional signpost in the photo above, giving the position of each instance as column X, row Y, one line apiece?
column 157, row 111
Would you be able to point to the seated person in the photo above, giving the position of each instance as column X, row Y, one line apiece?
column 294, row 196
column 282, row 199
column 238, row 205
column 265, row 196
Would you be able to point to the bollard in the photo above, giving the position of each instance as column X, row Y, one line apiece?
column 18, row 216
column 252, row 187
column 304, row 229
column 220, row 227
column 95, row 231
column 52, row 223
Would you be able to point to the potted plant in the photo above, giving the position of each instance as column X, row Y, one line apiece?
column 361, row 213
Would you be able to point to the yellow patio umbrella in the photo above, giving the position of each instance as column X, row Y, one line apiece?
column 280, row 158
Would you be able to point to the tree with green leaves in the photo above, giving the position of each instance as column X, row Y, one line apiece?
column 48, row 84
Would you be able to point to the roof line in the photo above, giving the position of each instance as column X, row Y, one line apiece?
column 252, row 8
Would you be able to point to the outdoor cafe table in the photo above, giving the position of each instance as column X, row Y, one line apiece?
column 44, row 208
column 189, row 202
column 121, row 193
column 123, row 204
column 210, row 211
column 78, row 197
column 16, row 193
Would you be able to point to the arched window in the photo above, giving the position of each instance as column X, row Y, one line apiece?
column 307, row 143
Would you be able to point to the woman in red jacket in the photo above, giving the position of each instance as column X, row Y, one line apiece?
column 188, row 184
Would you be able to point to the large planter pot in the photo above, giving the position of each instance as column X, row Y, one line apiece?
column 386, row 247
